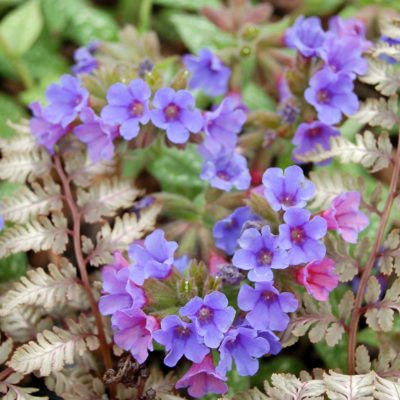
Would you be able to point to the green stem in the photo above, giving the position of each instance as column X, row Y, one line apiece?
column 19, row 65
column 144, row 15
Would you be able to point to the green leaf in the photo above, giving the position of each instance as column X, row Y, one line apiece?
column 21, row 27
column 13, row 267
column 188, row 4
column 55, row 16
column 256, row 98
column 10, row 110
column 178, row 171
column 318, row 7
column 333, row 357
column 135, row 161
column 197, row 32
column 237, row 383
column 86, row 23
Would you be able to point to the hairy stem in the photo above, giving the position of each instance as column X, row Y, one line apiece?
column 357, row 311
column 76, row 220
column 5, row 373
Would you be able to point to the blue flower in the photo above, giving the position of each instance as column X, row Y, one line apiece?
column 85, row 63
column 211, row 316
column 127, row 106
column 208, row 73
column 175, row 112
column 259, row 253
column 267, row 308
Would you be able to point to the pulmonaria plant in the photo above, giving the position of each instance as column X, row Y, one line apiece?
column 175, row 231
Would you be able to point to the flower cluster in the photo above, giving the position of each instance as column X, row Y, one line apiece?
column 335, row 60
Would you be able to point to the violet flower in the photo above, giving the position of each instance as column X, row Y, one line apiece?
column 259, row 254
column 97, row 135
column 175, row 112
column 286, row 189
column 202, row 379
column 85, row 63
column 208, row 73
column 121, row 292
column 227, row 231
column 128, row 106
column 211, row 316
column 331, row 94
column 180, row 339
column 267, row 307
column 344, row 216
column 154, row 259
column 306, row 36
column 65, row 101
column 302, row 236
column 310, row 135
column 134, row 332
column 319, row 278
column 225, row 171
column 274, row 344
column 45, row 132
column 244, row 346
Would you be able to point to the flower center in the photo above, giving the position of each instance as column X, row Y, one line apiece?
column 223, row 175
column 267, row 295
column 297, row 235
column 137, row 109
column 264, row 257
column 182, row 332
column 230, row 224
column 287, row 200
column 314, row 132
column 205, row 314
column 171, row 111
column 323, row 96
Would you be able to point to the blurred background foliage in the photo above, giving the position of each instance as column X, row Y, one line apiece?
column 37, row 42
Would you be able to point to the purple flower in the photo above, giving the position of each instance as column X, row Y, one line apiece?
column 2, row 223
column 310, row 135
column 182, row 263
column 203, row 379
column 176, row 113
column 274, row 344
column 301, row 237
column 225, row 170
column 349, row 28
column 122, row 293
column 180, row 339
column 286, row 189
column 85, row 63
column 227, row 231
column 97, row 135
column 127, row 106
column 392, row 42
column 259, row 253
column 211, row 316
column 134, row 332
column 331, row 94
column 345, row 217
column 46, row 133
column 154, row 259
column 344, row 56
column 222, row 125
column 306, row 36
column 244, row 346
column 66, row 100
column 208, row 73
column 267, row 308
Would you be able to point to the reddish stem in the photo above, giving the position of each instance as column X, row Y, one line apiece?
column 5, row 374
column 355, row 317
column 76, row 235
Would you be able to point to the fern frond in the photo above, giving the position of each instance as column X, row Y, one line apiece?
column 48, row 290
column 330, row 184
column 5, row 350
column 19, row 167
column 22, row 324
column 378, row 112
column 40, row 234
column 371, row 153
column 122, row 234
column 106, row 197
column 390, row 27
column 22, row 142
column 13, row 392
column 386, row 389
column 28, row 203
column 52, row 350
column 390, row 259
column 385, row 77
column 355, row 387
column 75, row 383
